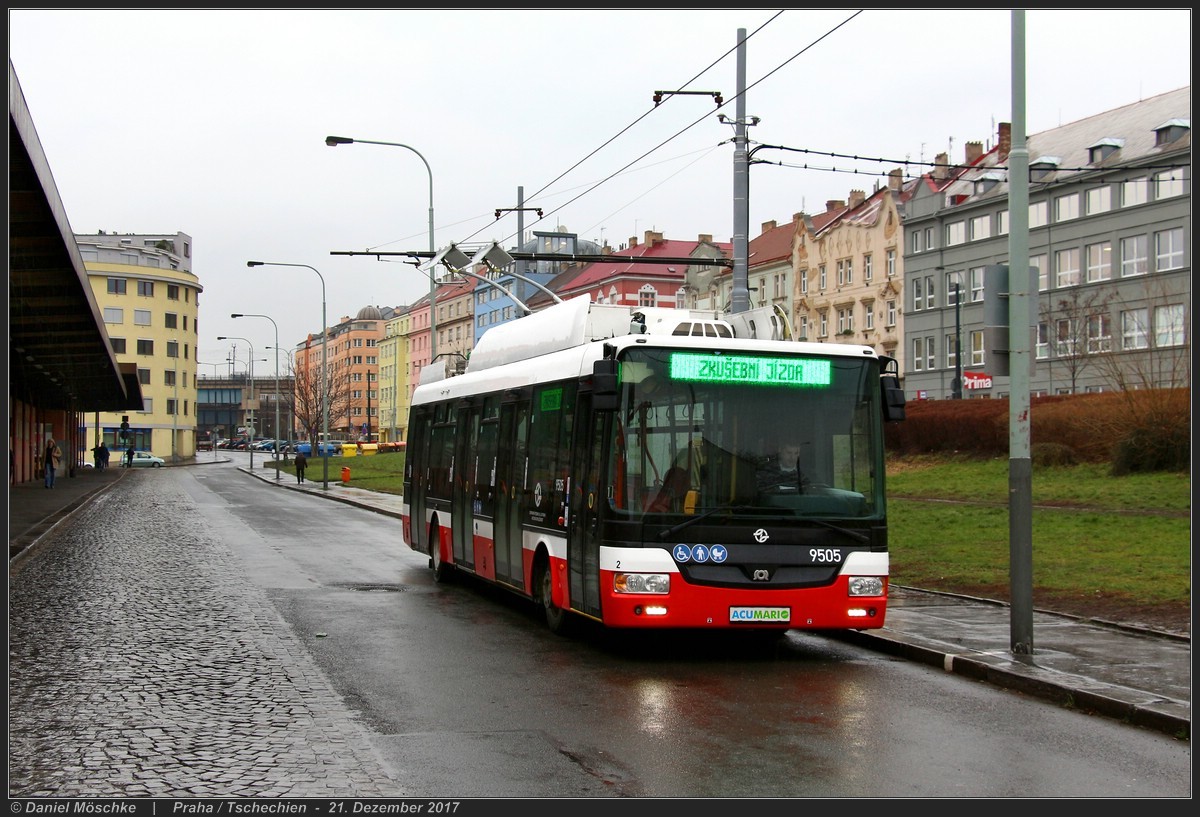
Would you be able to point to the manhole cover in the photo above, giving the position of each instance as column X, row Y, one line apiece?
column 378, row 588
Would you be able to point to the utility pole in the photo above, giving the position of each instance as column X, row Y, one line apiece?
column 741, row 189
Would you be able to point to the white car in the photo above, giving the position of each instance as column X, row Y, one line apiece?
column 144, row 459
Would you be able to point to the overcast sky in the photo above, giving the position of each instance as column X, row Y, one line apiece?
column 213, row 123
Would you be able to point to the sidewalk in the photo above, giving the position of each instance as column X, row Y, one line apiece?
column 1135, row 675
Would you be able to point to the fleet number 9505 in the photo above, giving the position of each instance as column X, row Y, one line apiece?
column 824, row 556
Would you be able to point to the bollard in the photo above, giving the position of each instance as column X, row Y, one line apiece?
column 345, row 474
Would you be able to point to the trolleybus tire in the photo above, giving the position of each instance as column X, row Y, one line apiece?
column 442, row 572
column 557, row 619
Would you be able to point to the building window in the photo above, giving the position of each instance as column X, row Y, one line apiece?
column 1038, row 262
column 1039, row 214
column 1064, row 341
column 171, row 320
column 1099, row 200
column 918, row 354
column 849, row 271
column 914, row 240
column 169, row 377
column 1002, row 223
column 172, row 404
column 141, row 317
column 890, row 262
column 1133, row 256
column 1133, row 329
column 148, row 405
column 824, row 324
column 929, row 245
column 822, row 279
column 1099, row 333
column 172, row 292
column 144, row 376
column 868, row 273
column 1099, row 262
column 804, row 282
column 950, row 351
column 1168, row 249
column 145, row 347
column 890, row 314
column 981, row 227
column 977, row 348
column 930, row 357
column 846, row 320
column 804, row 327
column 114, row 314
column 647, row 296
column 1066, row 207
column 172, row 348
column 976, row 284
column 869, row 315
column 116, row 286
column 929, row 290
column 1168, row 325
column 1066, row 267
column 956, row 233
column 118, row 345
column 918, row 288
column 1168, row 183
column 146, row 288
column 1043, row 341
column 1135, row 191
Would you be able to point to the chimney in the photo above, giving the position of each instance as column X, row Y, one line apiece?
column 974, row 151
column 857, row 197
column 941, row 170
column 767, row 226
column 1005, row 143
column 896, row 179
column 653, row 238
column 832, row 205
column 797, row 217
column 705, row 238
column 633, row 242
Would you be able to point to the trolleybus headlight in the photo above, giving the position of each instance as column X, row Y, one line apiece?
column 659, row 583
column 866, row 586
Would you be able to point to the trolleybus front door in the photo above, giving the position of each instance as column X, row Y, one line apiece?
column 588, row 497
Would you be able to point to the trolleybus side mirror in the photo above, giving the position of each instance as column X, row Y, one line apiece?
column 893, row 395
column 605, row 393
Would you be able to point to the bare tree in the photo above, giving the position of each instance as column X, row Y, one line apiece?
column 309, row 404
column 1078, row 327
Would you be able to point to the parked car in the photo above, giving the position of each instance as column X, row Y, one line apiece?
column 144, row 459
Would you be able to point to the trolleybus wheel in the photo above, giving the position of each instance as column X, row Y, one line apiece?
column 442, row 572
column 557, row 619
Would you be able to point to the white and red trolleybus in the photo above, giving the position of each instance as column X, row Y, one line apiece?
column 623, row 465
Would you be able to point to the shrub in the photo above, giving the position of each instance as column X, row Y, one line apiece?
column 1049, row 455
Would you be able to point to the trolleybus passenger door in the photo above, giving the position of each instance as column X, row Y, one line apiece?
column 588, row 495
column 416, row 466
column 462, row 521
column 511, row 468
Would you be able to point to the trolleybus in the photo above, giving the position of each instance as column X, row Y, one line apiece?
column 622, row 465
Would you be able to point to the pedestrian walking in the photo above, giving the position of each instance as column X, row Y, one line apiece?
column 52, row 460
column 301, row 464
column 103, row 455
column 129, row 457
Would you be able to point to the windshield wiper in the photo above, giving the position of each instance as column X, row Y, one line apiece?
column 853, row 534
column 691, row 520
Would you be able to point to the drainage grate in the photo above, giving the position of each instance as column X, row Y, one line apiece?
column 378, row 588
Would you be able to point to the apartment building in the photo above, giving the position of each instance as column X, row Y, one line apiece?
column 1109, row 244
column 150, row 301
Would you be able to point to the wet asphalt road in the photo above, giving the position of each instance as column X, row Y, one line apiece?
column 144, row 663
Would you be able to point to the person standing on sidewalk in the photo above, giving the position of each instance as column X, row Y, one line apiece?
column 301, row 464
column 52, row 459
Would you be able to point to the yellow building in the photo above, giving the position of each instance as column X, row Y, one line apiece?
column 150, row 300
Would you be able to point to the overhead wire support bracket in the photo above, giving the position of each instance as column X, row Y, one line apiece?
column 716, row 95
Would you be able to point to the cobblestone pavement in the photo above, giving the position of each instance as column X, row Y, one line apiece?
column 142, row 663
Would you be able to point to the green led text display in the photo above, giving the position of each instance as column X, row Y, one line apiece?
column 748, row 370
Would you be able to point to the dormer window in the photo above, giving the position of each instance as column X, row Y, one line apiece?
column 986, row 181
column 1042, row 167
column 1103, row 148
column 1169, row 131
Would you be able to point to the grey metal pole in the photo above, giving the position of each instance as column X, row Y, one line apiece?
column 1020, row 466
column 276, row 444
column 740, row 302
column 956, row 386
column 324, row 361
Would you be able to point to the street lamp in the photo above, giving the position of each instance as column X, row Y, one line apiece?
column 275, row 445
column 334, row 141
column 250, row 442
column 956, row 386
column 324, row 361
